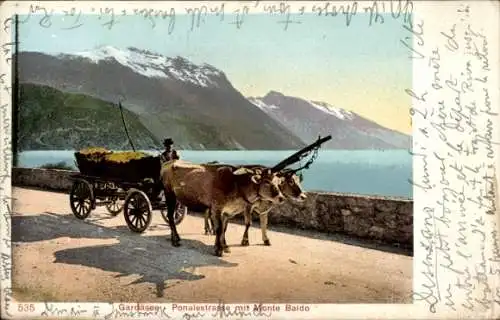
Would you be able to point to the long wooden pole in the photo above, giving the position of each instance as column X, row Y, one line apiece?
column 125, row 126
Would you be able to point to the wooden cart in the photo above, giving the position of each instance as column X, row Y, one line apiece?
column 132, row 186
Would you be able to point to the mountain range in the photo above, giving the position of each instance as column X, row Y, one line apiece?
column 308, row 119
column 194, row 104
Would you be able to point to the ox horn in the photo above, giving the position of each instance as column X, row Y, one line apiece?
column 242, row 171
column 256, row 178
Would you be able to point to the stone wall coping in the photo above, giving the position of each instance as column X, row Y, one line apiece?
column 358, row 195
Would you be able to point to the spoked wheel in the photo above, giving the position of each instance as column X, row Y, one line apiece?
column 81, row 199
column 115, row 206
column 179, row 213
column 137, row 211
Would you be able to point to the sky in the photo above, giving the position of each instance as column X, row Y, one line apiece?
column 359, row 67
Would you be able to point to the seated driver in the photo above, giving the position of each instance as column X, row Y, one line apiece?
column 169, row 153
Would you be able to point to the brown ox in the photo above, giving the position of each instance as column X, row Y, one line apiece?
column 291, row 189
column 289, row 186
column 224, row 190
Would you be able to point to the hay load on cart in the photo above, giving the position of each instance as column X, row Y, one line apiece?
column 126, row 180
column 131, row 166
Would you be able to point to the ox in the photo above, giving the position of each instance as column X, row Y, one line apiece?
column 291, row 189
column 224, row 190
column 289, row 186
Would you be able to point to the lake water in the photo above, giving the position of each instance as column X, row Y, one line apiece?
column 370, row 172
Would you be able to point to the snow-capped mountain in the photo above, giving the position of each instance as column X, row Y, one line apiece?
column 151, row 64
column 331, row 110
column 194, row 104
column 307, row 119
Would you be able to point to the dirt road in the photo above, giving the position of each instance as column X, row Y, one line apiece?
column 57, row 257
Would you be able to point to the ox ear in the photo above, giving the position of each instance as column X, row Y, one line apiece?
column 242, row 171
column 256, row 178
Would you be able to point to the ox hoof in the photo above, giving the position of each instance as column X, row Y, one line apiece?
column 226, row 249
column 267, row 243
column 245, row 242
column 218, row 252
column 176, row 243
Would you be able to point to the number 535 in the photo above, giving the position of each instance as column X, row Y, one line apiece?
column 26, row 307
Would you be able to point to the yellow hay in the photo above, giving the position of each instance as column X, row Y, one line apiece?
column 97, row 154
column 94, row 150
column 126, row 156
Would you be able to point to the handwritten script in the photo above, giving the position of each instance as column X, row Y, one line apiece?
column 455, row 169
column 285, row 14
column 5, row 174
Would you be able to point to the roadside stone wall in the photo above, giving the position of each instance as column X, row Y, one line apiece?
column 49, row 179
column 387, row 220
column 381, row 219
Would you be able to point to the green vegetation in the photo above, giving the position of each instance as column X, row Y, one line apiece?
column 53, row 120
column 59, row 165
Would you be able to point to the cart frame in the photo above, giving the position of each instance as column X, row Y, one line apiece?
column 139, row 199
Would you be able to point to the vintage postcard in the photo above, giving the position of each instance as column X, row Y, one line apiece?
column 253, row 160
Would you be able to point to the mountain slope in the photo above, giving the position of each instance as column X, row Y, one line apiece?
column 51, row 119
column 196, row 105
column 308, row 119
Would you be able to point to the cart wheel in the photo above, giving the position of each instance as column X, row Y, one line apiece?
column 137, row 211
column 179, row 213
column 115, row 207
column 81, row 199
